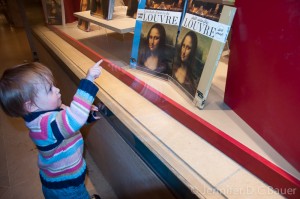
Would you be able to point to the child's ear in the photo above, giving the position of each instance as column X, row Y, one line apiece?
column 29, row 106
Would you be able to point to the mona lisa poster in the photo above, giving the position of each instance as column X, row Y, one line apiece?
column 156, row 29
column 181, row 41
column 202, row 37
column 54, row 12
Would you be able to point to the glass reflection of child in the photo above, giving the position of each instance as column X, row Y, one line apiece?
column 152, row 56
column 28, row 91
column 182, row 70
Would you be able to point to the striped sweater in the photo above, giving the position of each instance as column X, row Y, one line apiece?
column 60, row 145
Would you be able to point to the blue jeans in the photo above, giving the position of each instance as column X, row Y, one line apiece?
column 79, row 192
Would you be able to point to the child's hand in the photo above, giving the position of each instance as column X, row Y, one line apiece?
column 94, row 72
column 93, row 116
column 94, row 110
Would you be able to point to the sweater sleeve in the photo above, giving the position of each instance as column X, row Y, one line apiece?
column 69, row 121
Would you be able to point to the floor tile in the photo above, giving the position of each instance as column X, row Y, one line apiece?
column 28, row 190
column 4, row 180
column 96, row 183
column 243, row 185
column 5, row 193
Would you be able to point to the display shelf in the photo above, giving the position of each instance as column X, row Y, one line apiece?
column 120, row 23
column 191, row 158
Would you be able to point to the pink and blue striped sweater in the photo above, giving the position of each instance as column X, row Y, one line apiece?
column 60, row 145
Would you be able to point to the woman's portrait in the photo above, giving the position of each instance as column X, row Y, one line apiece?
column 54, row 12
column 184, row 62
column 53, row 8
column 152, row 52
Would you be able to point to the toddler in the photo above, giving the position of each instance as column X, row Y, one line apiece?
column 28, row 91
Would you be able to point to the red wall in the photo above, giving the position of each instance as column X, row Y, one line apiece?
column 263, row 82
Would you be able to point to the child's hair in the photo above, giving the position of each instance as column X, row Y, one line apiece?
column 19, row 85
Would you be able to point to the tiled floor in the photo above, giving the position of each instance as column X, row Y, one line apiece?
column 18, row 155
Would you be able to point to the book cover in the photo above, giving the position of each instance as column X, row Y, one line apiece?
column 45, row 11
column 200, row 44
column 54, row 12
column 155, row 34
column 102, row 8
column 71, row 6
column 132, row 6
column 83, row 24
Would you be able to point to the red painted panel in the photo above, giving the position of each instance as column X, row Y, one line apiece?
column 263, row 81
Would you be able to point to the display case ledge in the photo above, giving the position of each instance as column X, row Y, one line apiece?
column 200, row 154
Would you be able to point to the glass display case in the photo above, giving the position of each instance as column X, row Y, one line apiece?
column 200, row 147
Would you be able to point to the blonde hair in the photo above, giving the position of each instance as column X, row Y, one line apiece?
column 18, row 85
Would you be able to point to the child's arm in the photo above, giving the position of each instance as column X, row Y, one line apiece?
column 70, row 120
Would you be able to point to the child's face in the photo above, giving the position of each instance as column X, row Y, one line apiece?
column 48, row 97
